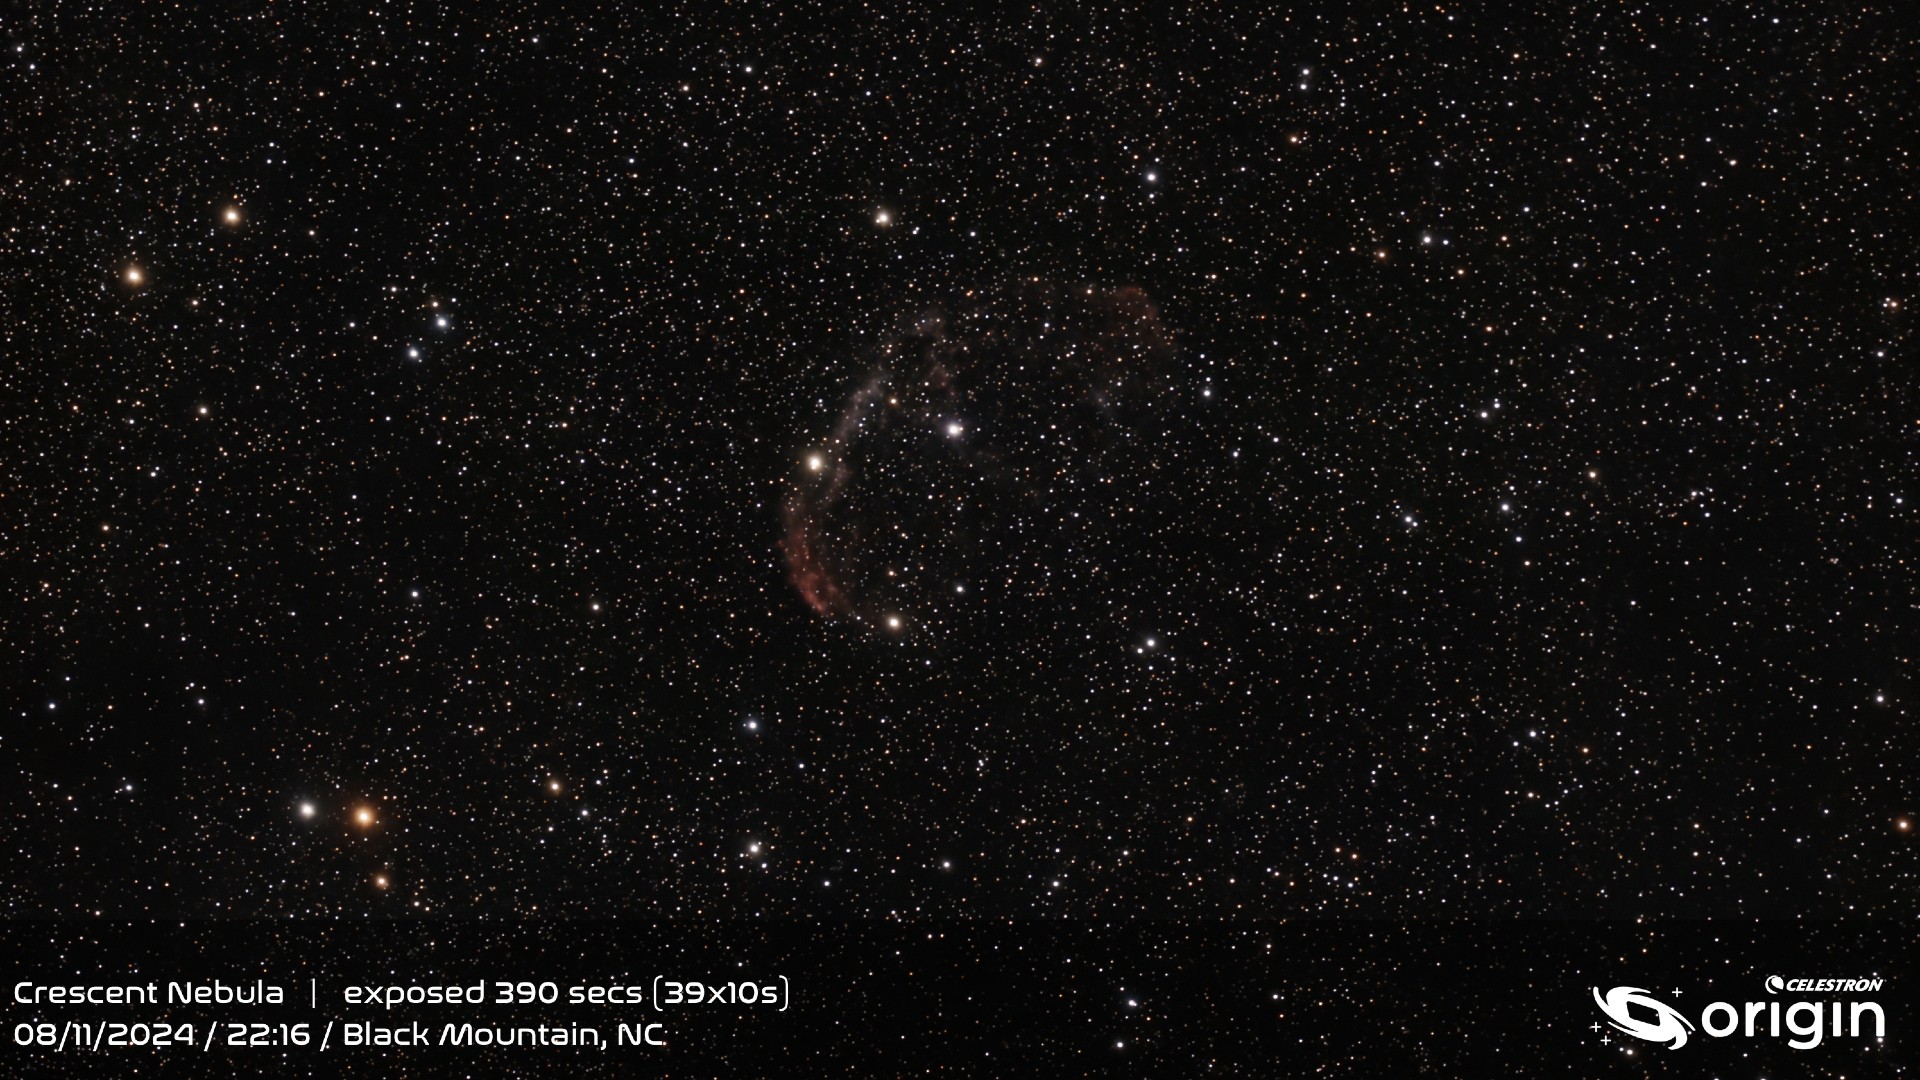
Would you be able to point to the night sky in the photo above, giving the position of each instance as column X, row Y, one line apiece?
column 891, row 468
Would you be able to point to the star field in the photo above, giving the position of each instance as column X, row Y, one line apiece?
column 869, row 464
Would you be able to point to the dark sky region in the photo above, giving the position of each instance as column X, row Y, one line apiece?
column 894, row 467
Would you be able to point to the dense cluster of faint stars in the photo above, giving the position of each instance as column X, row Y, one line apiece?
column 502, row 469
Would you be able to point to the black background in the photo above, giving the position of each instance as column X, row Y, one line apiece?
column 1523, row 530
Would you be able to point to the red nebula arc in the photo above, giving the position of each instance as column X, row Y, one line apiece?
column 804, row 566
column 803, row 542
column 1025, row 356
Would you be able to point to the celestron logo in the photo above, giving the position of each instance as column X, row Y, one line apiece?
column 1636, row 1012
column 1776, row 984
